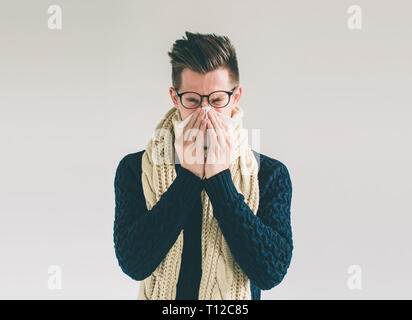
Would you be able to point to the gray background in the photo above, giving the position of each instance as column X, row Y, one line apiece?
column 332, row 104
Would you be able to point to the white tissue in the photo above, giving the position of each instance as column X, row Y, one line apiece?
column 230, row 122
column 207, row 108
column 179, row 125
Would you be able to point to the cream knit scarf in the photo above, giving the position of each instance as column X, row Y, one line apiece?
column 222, row 278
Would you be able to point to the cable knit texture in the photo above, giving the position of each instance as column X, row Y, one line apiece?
column 252, row 253
column 222, row 277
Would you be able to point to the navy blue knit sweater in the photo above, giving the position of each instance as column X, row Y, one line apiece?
column 261, row 244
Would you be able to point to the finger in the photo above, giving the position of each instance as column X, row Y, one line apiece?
column 196, row 126
column 211, row 133
column 220, row 121
column 228, row 133
column 229, row 148
column 199, row 119
column 191, row 125
column 201, row 132
column 229, row 140
column 191, row 121
column 224, row 128
column 203, row 126
column 211, row 153
column 199, row 149
column 211, row 130
column 219, row 133
column 224, row 125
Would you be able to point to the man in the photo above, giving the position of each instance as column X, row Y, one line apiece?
column 211, row 223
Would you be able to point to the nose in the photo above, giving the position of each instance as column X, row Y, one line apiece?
column 204, row 102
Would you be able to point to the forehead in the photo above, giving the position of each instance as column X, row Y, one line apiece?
column 218, row 79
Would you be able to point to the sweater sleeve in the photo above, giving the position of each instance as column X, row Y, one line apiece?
column 142, row 237
column 261, row 244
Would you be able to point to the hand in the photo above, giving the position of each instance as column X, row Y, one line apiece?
column 189, row 146
column 221, row 144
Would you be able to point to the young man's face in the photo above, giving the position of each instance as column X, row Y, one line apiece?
column 218, row 79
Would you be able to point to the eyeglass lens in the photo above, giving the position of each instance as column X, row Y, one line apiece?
column 217, row 99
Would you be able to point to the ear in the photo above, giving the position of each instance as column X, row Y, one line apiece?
column 174, row 97
column 237, row 94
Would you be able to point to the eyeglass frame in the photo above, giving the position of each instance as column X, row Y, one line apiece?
column 230, row 93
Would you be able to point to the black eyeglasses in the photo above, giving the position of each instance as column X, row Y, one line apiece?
column 217, row 99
